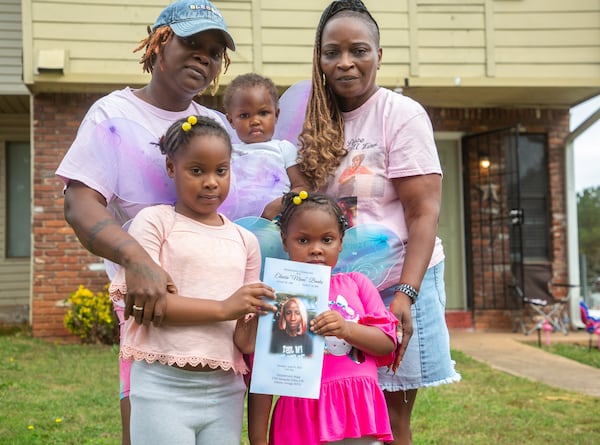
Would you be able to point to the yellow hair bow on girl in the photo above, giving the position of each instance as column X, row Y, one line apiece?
column 191, row 121
column 300, row 197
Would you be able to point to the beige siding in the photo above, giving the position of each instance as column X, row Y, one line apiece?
column 284, row 43
column 99, row 37
column 425, row 42
column 11, row 67
column 433, row 23
column 548, row 38
column 288, row 33
column 14, row 272
column 545, row 6
column 552, row 20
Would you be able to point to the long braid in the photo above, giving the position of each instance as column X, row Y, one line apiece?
column 322, row 137
column 154, row 46
column 323, row 127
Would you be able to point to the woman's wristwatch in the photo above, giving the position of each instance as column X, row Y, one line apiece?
column 407, row 290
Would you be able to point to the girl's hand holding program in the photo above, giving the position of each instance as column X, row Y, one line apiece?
column 248, row 299
column 330, row 323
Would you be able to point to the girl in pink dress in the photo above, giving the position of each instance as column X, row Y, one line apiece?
column 360, row 334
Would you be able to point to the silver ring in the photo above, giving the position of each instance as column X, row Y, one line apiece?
column 399, row 337
column 137, row 308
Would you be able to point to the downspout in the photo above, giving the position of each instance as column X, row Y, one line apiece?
column 572, row 224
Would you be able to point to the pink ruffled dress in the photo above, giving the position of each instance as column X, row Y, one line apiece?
column 351, row 404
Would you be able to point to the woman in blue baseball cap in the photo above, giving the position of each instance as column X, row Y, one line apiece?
column 183, row 28
column 185, row 51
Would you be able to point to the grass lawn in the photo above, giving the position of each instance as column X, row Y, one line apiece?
column 580, row 352
column 56, row 394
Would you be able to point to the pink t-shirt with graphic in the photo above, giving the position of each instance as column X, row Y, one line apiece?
column 389, row 136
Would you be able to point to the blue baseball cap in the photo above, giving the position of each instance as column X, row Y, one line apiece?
column 189, row 17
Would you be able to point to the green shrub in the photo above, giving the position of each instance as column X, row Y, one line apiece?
column 91, row 316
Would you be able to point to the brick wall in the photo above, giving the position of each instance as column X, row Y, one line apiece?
column 60, row 264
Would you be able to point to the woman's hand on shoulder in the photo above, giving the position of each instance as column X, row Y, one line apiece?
column 248, row 299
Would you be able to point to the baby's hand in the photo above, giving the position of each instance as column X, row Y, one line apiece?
column 248, row 299
column 330, row 323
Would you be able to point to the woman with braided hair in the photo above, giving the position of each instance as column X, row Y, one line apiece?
column 184, row 52
column 349, row 115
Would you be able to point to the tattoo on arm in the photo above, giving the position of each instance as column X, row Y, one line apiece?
column 144, row 272
column 119, row 248
column 96, row 229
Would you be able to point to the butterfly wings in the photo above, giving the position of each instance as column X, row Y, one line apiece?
column 131, row 161
column 292, row 109
column 255, row 179
column 371, row 249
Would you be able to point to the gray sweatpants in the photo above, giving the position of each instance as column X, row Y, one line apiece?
column 170, row 405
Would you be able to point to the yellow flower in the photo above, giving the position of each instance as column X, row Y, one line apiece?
column 29, row 427
column 90, row 316
column 58, row 420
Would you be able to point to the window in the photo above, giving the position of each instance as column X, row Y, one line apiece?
column 18, row 199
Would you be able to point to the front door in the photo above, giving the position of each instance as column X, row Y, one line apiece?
column 494, row 217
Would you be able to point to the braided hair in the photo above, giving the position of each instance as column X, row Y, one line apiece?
column 322, row 137
column 154, row 45
column 246, row 81
column 293, row 203
column 176, row 137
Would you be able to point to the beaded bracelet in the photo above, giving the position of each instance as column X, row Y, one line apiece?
column 408, row 290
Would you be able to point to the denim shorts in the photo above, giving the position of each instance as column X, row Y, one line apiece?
column 427, row 360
